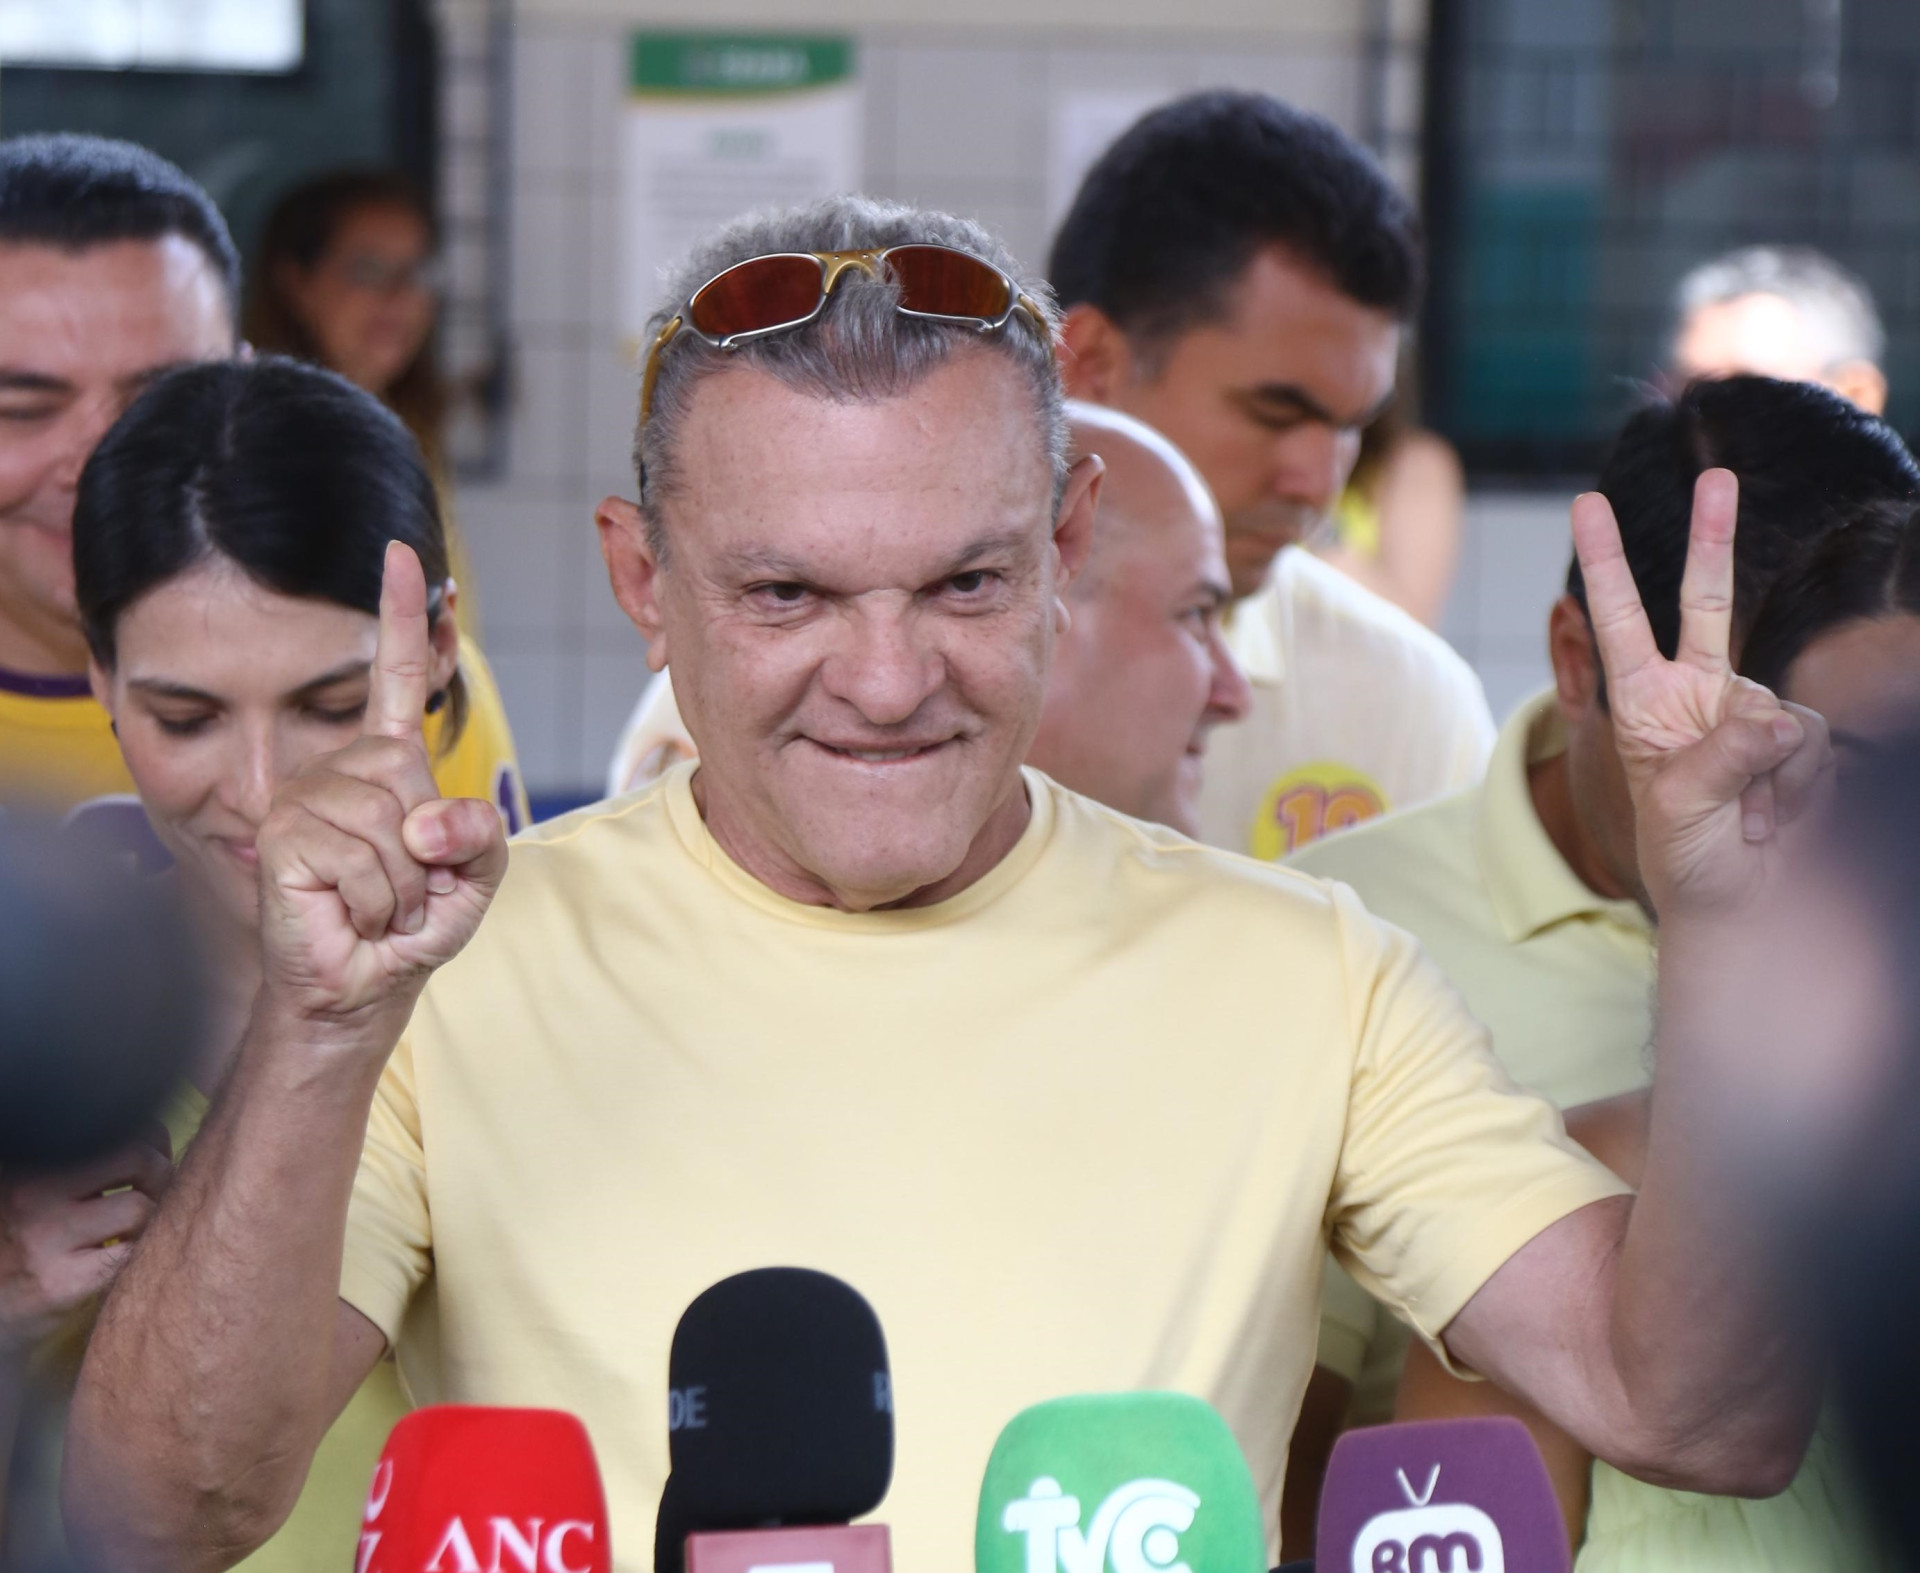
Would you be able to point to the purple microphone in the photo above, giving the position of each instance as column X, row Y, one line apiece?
column 1440, row 1496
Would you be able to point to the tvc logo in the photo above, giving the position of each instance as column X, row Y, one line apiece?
column 1136, row 1530
column 1429, row 1537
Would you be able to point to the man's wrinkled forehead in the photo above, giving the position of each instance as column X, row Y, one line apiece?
column 962, row 442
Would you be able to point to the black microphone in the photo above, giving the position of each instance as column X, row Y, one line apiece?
column 779, row 1418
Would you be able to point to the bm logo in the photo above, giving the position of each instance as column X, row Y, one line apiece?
column 1425, row 1537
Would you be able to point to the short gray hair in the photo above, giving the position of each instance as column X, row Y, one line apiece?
column 1837, row 307
column 859, row 348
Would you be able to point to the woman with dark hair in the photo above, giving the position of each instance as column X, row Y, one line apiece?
column 344, row 276
column 230, row 535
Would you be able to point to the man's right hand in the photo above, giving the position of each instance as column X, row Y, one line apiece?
column 369, row 878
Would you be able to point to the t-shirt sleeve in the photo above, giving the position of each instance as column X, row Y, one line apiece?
column 1472, row 729
column 389, row 1250
column 1447, row 1168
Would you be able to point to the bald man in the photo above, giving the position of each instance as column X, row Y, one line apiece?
column 1140, row 675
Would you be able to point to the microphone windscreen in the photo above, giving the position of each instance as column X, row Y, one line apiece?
column 780, row 1409
column 1129, row 1481
column 466, row 1489
column 1442, row 1494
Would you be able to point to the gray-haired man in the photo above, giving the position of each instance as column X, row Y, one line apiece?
column 1073, row 1100
column 1781, row 311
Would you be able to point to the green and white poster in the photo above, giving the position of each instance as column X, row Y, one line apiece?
column 720, row 123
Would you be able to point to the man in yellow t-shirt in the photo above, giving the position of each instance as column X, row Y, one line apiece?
column 860, row 992
column 1526, row 889
column 1235, row 273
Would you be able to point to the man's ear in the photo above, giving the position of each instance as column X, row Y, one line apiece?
column 634, row 572
column 1073, row 525
column 1575, row 658
column 1096, row 361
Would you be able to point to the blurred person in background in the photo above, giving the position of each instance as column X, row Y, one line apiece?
column 1398, row 525
column 1141, row 676
column 346, row 276
column 1781, row 311
column 229, row 541
column 1844, row 960
column 1526, row 888
column 1837, row 630
column 1238, row 274
column 114, row 267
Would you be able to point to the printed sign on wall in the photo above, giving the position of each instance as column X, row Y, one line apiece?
column 719, row 124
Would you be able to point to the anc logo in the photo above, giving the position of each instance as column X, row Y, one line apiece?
column 1136, row 1530
column 1311, row 802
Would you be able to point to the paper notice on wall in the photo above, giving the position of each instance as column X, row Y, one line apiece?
column 1082, row 126
column 718, row 124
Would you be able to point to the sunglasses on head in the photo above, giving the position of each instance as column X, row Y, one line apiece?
column 787, row 289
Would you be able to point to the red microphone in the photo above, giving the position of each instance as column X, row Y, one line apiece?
column 465, row 1489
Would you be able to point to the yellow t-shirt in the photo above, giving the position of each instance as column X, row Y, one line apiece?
column 1562, row 977
column 323, row 1531
column 1054, row 1128
column 58, row 753
column 1357, row 710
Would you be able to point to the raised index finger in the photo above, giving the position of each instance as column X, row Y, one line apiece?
column 1620, row 626
column 1706, row 588
column 397, row 695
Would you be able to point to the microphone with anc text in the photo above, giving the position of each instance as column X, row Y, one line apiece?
column 466, row 1489
column 1450, row 1496
column 1119, row 1483
column 780, row 1429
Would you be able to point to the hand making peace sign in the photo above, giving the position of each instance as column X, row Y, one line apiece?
column 1720, row 770
column 369, row 878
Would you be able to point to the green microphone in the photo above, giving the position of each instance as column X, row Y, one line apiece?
column 1118, row 1483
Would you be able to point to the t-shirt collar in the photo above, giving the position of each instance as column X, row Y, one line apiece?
column 29, row 685
column 699, row 843
column 1531, row 885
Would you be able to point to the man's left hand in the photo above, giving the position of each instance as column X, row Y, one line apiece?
column 1721, row 771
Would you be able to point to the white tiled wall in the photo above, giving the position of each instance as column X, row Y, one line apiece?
column 1512, row 569
column 955, row 121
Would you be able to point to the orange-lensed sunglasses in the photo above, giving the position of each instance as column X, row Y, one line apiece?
column 786, row 289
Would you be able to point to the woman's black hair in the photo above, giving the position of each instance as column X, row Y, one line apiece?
column 289, row 472
column 1868, row 566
